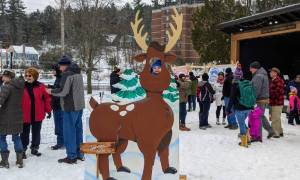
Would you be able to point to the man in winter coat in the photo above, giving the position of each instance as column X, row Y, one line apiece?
column 57, row 111
column 205, row 99
column 114, row 79
column 11, row 117
column 232, row 123
column 183, row 87
column 71, row 92
column 192, row 96
column 276, row 101
column 260, row 83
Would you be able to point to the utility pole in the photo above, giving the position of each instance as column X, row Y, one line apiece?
column 62, row 25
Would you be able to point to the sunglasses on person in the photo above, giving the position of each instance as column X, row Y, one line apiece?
column 28, row 75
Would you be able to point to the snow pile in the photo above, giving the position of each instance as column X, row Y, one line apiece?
column 214, row 154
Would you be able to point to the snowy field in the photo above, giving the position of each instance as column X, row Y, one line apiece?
column 214, row 154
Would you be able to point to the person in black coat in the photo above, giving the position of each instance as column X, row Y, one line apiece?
column 57, row 111
column 114, row 79
column 232, row 123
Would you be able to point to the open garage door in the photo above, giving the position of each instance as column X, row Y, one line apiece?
column 282, row 51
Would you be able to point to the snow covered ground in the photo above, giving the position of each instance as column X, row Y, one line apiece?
column 213, row 154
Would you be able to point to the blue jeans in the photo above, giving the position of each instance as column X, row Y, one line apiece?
column 241, row 116
column 182, row 112
column 73, row 133
column 58, row 123
column 192, row 102
column 17, row 143
column 204, row 112
column 230, row 118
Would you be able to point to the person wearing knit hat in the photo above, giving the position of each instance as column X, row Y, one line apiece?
column 218, row 87
column 231, row 119
column 11, row 115
column 156, row 67
column 260, row 82
column 205, row 99
column 193, row 93
column 255, row 65
column 183, row 88
column 294, row 106
column 36, row 103
column 238, row 73
column 65, row 60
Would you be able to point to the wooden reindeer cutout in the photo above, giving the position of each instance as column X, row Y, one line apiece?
column 147, row 122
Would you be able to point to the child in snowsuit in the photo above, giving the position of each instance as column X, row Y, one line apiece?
column 294, row 106
column 218, row 87
column 11, row 117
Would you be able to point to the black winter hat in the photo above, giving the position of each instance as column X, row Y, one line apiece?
column 181, row 76
column 228, row 70
column 9, row 74
column 65, row 60
column 255, row 65
column 205, row 77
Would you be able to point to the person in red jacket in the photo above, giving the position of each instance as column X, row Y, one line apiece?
column 276, row 101
column 36, row 103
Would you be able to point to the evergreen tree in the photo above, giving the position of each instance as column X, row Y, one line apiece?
column 171, row 95
column 15, row 17
column 210, row 43
column 130, row 86
column 3, row 16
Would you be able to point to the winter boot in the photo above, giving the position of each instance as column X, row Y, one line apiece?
column 244, row 141
column 34, row 151
column 224, row 121
column 218, row 121
column 19, row 161
column 184, row 128
column 24, row 155
column 248, row 136
column 4, row 162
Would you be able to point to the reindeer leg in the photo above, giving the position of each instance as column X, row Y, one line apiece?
column 104, row 167
column 163, row 152
column 149, row 158
column 122, row 145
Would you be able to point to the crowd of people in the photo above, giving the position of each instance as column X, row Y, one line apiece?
column 25, row 102
column 239, row 99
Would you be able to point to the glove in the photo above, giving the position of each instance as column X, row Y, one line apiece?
column 49, row 115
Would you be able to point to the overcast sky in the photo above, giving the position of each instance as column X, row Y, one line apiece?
column 32, row 5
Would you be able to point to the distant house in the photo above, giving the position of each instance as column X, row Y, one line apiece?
column 22, row 56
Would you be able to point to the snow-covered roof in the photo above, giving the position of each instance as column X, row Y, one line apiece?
column 19, row 49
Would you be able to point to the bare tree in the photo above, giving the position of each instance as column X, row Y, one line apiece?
column 86, row 32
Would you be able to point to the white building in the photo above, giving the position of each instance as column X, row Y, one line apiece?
column 21, row 56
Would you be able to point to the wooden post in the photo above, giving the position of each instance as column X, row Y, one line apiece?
column 235, row 50
column 182, row 177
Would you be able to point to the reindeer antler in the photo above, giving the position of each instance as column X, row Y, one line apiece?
column 178, row 18
column 140, row 40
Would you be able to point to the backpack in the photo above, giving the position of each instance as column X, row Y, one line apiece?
column 247, row 94
column 204, row 90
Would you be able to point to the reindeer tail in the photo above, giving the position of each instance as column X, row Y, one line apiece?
column 93, row 103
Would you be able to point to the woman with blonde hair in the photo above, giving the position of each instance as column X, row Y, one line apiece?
column 35, row 104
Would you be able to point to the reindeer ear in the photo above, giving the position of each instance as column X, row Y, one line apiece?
column 170, row 58
column 140, row 57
